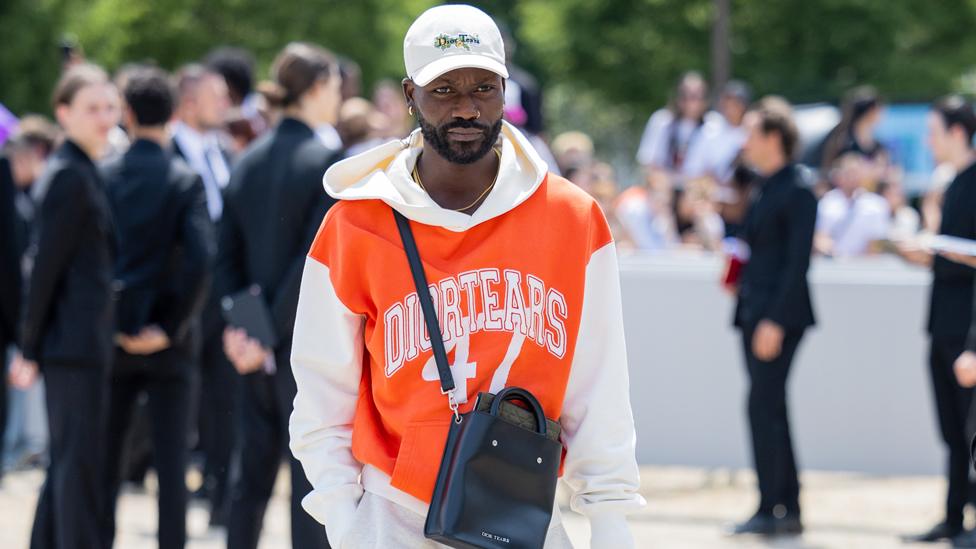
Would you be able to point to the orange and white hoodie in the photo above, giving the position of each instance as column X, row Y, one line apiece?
column 527, row 293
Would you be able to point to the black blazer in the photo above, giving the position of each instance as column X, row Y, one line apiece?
column 273, row 207
column 166, row 240
column 9, row 258
column 67, row 310
column 779, row 230
column 951, row 301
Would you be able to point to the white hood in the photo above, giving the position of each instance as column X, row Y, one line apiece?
column 383, row 173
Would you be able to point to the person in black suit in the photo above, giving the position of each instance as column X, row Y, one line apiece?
column 203, row 104
column 162, row 274
column 272, row 209
column 66, row 329
column 952, row 125
column 774, row 309
column 9, row 281
column 25, row 156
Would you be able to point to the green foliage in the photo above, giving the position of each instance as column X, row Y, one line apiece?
column 607, row 63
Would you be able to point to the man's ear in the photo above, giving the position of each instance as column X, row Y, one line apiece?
column 408, row 89
column 129, row 117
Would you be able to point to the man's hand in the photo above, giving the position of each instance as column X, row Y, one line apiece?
column 967, row 260
column 23, row 372
column 965, row 368
column 149, row 340
column 913, row 253
column 767, row 341
column 246, row 354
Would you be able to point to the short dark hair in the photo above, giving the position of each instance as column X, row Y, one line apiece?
column 150, row 96
column 956, row 111
column 236, row 65
column 776, row 115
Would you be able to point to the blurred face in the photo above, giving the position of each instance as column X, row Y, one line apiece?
column 692, row 100
column 895, row 195
column 758, row 145
column 873, row 117
column 325, row 98
column 849, row 174
column 460, row 112
column 939, row 138
column 27, row 164
column 210, row 102
column 732, row 109
column 93, row 112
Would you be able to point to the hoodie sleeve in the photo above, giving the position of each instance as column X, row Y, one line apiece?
column 326, row 357
column 598, row 425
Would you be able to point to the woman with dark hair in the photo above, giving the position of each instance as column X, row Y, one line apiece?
column 672, row 132
column 272, row 209
column 67, row 315
column 862, row 112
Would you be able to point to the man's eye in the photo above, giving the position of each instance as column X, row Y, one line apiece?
column 442, row 90
column 486, row 88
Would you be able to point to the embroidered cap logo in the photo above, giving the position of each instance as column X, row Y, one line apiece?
column 444, row 42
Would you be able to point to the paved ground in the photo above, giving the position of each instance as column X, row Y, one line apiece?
column 687, row 509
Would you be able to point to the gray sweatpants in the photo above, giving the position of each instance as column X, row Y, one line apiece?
column 381, row 524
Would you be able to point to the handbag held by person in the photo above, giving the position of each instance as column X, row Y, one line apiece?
column 497, row 479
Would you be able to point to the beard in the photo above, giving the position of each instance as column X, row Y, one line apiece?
column 459, row 152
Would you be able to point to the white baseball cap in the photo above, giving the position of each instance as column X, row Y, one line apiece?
column 451, row 37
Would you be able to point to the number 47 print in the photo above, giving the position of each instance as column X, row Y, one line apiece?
column 462, row 370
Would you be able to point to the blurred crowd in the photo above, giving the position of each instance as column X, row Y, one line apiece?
column 693, row 193
column 696, row 186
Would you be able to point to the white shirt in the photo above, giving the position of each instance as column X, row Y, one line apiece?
column 721, row 143
column 203, row 154
column 853, row 223
column 650, row 228
column 653, row 149
column 329, row 137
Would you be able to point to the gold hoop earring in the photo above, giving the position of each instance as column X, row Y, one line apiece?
column 410, row 110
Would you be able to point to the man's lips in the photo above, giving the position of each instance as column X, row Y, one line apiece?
column 466, row 134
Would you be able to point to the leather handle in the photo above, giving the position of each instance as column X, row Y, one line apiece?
column 517, row 393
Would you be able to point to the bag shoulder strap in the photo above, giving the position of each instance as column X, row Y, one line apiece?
column 426, row 304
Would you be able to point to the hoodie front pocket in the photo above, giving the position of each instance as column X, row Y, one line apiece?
column 419, row 458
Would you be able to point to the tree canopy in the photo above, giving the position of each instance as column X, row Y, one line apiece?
column 606, row 63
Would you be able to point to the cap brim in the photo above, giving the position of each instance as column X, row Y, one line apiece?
column 452, row 62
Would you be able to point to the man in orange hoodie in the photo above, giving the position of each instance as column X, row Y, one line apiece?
column 523, row 273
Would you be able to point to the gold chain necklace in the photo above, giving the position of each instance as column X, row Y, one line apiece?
column 416, row 177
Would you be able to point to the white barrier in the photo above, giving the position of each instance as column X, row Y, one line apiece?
column 860, row 394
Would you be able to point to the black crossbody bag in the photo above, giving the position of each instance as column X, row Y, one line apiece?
column 497, row 479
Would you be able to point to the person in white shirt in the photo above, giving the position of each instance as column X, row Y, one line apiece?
column 673, row 133
column 722, row 138
column 204, row 102
column 850, row 219
column 905, row 220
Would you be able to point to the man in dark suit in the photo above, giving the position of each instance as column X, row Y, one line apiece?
column 774, row 308
column 203, row 103
column 162, row 274
column 952, row 125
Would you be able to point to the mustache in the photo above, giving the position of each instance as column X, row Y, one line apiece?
column 463, row 124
